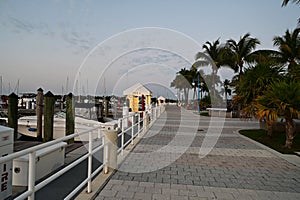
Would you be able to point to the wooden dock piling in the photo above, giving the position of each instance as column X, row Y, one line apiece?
column 48, row 116
column 13, row 113
column 39, row 113
column 70, row 116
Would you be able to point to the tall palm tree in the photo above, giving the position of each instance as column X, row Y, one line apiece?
column 241, row 51
column 289, row 50
column 285, row 2
column 281, row 99
column 183, row 81
column 214, row 55
column 288, row 53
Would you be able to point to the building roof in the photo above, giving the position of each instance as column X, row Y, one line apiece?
column 137, row 90
column 161, row 98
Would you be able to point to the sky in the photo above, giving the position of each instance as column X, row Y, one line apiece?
column 102, row 47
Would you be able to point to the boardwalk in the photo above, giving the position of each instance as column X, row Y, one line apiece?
column 169, row 163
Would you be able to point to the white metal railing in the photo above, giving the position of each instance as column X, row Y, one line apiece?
column 134, row 128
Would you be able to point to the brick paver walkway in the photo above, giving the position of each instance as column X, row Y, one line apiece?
column 166, row 164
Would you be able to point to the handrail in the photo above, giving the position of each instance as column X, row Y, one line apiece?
column 134, row 130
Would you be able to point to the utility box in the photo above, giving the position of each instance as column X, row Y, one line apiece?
column 47, row 160
column 6, row 147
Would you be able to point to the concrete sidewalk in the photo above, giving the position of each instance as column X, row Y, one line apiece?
column 168, row 164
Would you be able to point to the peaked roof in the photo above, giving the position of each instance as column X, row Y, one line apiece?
column 138, row 90
column 161, row 98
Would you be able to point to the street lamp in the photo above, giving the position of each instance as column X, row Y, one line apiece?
column 198, row 96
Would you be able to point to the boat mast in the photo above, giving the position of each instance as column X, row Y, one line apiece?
column 0, row 86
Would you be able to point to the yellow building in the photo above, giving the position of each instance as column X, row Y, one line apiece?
column 134, row 93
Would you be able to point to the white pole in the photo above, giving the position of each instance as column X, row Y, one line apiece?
column 132, row 128
column 31, row 175
column 139, row 123
column 89, row 190
column 122, row 137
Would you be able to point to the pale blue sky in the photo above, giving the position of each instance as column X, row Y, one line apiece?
column 44, row 42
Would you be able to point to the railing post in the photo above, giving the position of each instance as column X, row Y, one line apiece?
column 144, row 121
column 110, row 150
column 90, row 160
column 31, row 175
column 132, row 128
column 122, row 138
column 99, row 133
column 139, row 123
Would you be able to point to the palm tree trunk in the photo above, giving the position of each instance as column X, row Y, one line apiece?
column 289, row 130
column 269, row 129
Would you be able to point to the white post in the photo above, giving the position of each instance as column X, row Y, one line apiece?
column 144, row 121
column 122, row 139
column 110, row 150
column 105, row 154
column 132, row 128
column 89, row 189
column 99, row 133
column 31, row 175
column 139, row 123
column 125, row 116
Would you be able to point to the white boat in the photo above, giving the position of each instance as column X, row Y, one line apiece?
column 27, row 126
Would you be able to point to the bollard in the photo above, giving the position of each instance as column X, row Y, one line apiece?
column 70, row 116
column 48, row 116
column 13, row 113
column 39, row 114
column 110, row 150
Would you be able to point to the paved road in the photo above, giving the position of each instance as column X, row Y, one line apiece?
column 166, row 164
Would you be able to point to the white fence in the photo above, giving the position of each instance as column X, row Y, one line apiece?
column 136, row 124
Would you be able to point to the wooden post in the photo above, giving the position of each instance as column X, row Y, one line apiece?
column 13, row 113
column 48, row 116
column 70, row 116
column 39, row 113
column 106, row 106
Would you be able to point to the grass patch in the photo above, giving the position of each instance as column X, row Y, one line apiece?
column 204, row 113
column 276, row 142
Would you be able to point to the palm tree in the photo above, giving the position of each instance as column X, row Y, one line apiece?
column 183, row 81
column 241, row 51
column 285, row 2
column 256, row 80
column 288, row 53
column 214, row 55
column 289, row 50
column 281, row 99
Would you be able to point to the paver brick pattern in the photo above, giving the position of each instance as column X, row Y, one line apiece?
column 234, row 169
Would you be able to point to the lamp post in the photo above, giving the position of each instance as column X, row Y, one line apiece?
column 198, row 96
